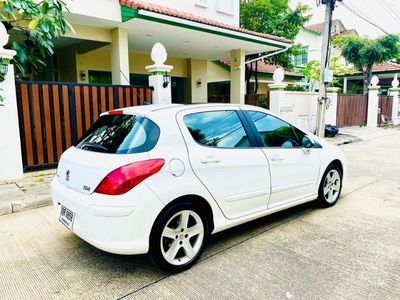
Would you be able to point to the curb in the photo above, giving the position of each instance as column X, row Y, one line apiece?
column 17, row 206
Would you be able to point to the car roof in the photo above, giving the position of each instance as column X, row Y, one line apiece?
column 175, row 107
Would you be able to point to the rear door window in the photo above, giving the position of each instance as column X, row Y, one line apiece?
column 273, row 131
column 221, row 129
column 121, row 134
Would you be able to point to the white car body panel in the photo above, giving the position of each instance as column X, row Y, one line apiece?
column 122, row 224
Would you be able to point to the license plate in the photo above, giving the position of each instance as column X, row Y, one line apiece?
column 66, row 217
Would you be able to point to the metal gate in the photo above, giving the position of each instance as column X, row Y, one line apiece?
column 352, row 110
column 54, row 116
column 385, row 106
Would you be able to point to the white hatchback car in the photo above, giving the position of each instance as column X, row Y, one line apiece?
column 162, row 178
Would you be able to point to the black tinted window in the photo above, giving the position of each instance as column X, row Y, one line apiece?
column 121, row 134
column 217, row 129
column 273, row 131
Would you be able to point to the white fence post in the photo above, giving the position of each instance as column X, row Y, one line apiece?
column 373, row 101
column 277, row 93
column 395, row 92
column 331, row 112
column 160, row 79
column 10, row 143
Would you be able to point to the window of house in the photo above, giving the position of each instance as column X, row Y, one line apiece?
column 275, row 132
column 302, row 58
column 226, row 6
column 221, row 129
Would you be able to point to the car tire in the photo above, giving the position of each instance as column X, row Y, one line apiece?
column 330, row 186
column 178, row 237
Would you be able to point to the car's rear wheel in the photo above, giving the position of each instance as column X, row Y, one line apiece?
column 330, row 187
column 178, row 237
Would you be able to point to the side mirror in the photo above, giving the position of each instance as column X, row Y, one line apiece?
column 307, row 143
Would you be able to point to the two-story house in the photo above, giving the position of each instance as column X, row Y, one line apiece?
column 310, row 37
column 114, row 38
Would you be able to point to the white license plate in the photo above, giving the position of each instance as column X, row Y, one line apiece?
column 66, row 217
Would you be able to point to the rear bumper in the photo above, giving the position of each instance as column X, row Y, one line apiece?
column 115, row 224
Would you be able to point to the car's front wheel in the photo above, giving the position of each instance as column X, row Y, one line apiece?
column 178, row 237
column 330, row 187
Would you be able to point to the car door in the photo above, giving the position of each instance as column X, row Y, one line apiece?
column 294, row 170
column 222, row 157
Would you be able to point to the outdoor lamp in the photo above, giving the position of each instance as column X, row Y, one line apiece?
column 167, row 80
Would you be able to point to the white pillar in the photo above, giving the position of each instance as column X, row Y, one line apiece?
column 277, row 94
column 160, row 78
column 395, row 92
column 120, row 56
column 373, row 102
column 238, row 69
column 345, row 85
column 10, row 143
column 198, row 80
column 331, row 112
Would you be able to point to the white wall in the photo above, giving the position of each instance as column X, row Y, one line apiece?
column 109, row 10
column 313, row 41
column 10, row 147
column 300, row 108
column 224, row 11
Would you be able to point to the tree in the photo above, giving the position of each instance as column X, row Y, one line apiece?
column 273, row 17
column 364, row 53
column 32, row 25
column 312, row 70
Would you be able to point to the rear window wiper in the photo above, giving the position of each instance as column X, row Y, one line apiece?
column 88, row 146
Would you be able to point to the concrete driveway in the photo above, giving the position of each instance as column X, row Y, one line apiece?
column 350, row 251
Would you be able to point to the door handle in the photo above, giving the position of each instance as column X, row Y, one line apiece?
column 276, row 158
column 210, row 160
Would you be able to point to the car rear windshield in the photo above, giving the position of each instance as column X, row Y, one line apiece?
column 120, row 134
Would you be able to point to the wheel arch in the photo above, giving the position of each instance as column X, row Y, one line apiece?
column 337, row 163
column 199, row 202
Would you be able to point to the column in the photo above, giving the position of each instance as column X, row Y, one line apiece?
column 120, row 56
column 160, row 78
column 238, row 84
column 277, row 94
column 345, row 85
column 373, row 102
column 395, row 92
column 198, row 80
column 331, row 112
column 10, row 145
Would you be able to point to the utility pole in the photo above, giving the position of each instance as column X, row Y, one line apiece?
column 326, row 73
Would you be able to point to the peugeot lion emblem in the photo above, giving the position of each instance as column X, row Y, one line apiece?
column 67, row 175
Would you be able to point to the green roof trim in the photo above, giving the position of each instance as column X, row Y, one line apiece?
column 128, row 13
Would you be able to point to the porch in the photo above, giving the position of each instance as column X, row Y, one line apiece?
column 117, row 52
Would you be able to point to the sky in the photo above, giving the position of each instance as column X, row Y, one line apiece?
column 385, row 13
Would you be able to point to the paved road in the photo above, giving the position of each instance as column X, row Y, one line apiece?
column 350, row 251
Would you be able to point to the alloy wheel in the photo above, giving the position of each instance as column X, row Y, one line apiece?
column 182, row 237
column 331, row 187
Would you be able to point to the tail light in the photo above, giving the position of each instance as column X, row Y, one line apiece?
column 125, row 178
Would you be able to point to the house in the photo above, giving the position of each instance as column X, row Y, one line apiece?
column 353, row 84
column 219, row 85
column 113, row 41
column 310, row 37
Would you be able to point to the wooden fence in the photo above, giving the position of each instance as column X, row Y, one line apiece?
column 352, row 110
column 54, row 116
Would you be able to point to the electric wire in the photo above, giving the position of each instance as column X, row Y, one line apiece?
column 355, row 11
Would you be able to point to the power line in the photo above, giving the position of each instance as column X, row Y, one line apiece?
column 388, row 10
column 359, row 14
